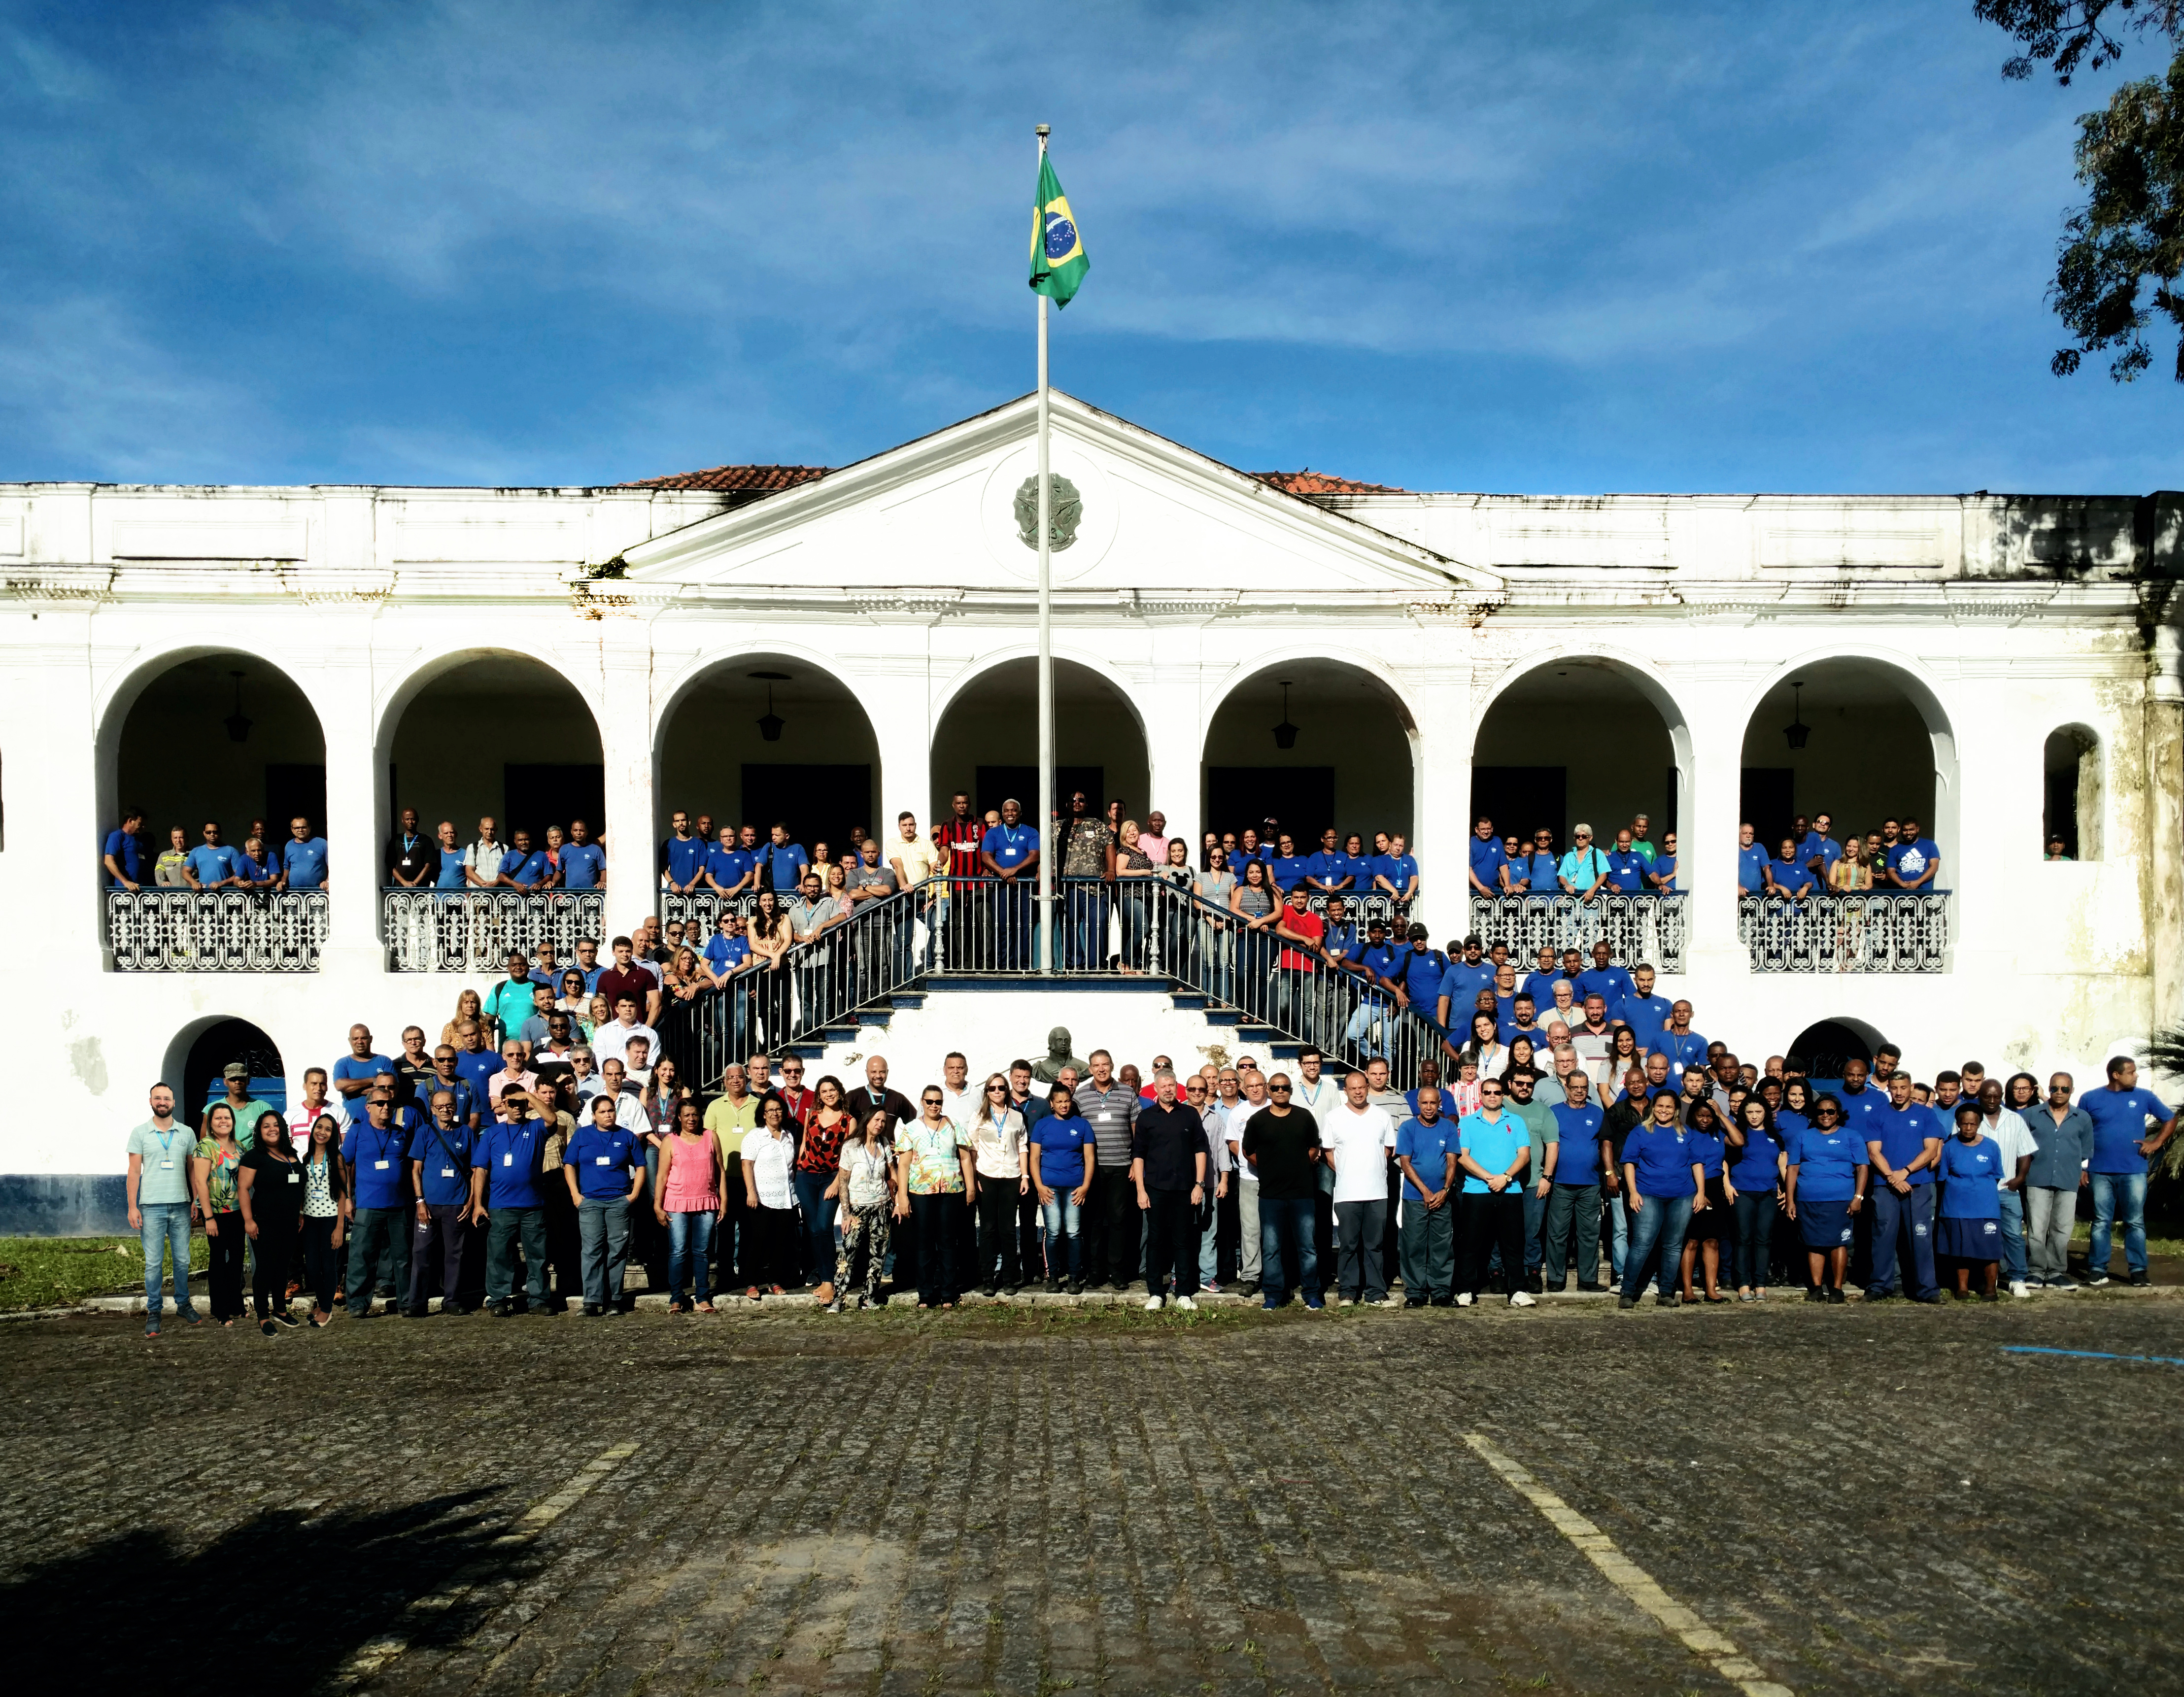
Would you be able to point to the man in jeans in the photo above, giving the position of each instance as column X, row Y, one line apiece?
column 375, row 1153
column 1358, row 1138
column 159, row 1152
column 1282, row 1148
column 1575, row 1199
column 604, row 1168
column 1088, row 869
column 2064, row 1134
column 2120, row 1112
column 1243, row 1095
column 1110, row 1214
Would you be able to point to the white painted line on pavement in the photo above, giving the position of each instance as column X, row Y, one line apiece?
column 1628, row 1577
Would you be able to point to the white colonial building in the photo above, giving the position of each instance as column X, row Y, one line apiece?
column 2003, row 668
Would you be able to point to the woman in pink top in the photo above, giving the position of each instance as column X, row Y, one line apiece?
column 689, row 1204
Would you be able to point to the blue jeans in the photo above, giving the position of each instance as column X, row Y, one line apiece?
column 1061, row 1213
column 690, row 1244
column 2109, row 1188
column 1618, row 1214
column 603, row 1225
column 2013, row 1236
column 818, row 1233
column 1290, row 1218
column 1660, row 1224
column 167, row 1228
column 374, row 1235
column 1892, row 1214
column 1368, row 1027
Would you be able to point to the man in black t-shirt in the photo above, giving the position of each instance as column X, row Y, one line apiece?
column 413, row 858
column 1282, row 1145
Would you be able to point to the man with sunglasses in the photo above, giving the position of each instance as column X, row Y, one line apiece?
column 1203, row 1100
column 1583, row 873
column 2065, row 1134
column 1281, row 1146
column 1494, row 1147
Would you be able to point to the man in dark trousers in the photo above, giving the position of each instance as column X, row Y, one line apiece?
column 1167, row 1166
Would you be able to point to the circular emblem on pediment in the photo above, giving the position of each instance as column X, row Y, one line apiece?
column 1066, row 510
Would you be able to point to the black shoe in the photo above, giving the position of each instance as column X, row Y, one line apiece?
column 1834, row 1293
column 502, row 1311
column 285, row 1318
column 1671, row 1301
column 1252, row 1287
column 1077, row 1286
column 1016, row 1289
column 269, row 1328
column 593, row 1310
column 1626, row 1302
column 1929, row 1298
column 1536, row 1284
column 1990, row 1296
column 1872, row 1296
column 1054, row 1287
column 2140, row 1278
column 1814, row 1294
column 416, row 1314
column 1119, row 1284
column 989, row 1290
column 1414, row 1302
column 1443, row 1302
column 1592, row 1287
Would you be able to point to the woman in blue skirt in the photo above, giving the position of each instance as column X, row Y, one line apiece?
column 1823, row 1188
column 1968, row 1232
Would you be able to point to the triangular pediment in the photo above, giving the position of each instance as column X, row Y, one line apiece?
column 1157, row 520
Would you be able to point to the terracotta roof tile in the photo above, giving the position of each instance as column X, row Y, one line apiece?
column 735, row 479
column 1311, row 482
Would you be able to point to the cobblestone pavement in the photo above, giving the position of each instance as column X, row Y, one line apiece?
column 1037, row 1500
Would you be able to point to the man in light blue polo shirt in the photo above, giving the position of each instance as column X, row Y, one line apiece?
column 303, row 857
column 1583, row 873
column 1494, row 1150
column 583, row 862
column 158, row 1189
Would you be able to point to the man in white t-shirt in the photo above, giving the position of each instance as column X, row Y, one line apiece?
column 1357, row 1136
column 611, row 1040
column 957, row 1100
column 2017, row 1146
column 1244, row 1093
column 915, row 859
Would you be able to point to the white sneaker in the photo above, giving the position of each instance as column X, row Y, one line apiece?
column 1152, row 1304
column 1184, row 1302
column 2017, row 1287
column 1522, row 1299
column 1347, row 1302
column 1464, row 1299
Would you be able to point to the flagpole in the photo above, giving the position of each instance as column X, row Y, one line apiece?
column 1045, row 815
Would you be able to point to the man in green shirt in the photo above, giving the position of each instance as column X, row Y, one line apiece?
column 236, row 1078
column 507, row 1004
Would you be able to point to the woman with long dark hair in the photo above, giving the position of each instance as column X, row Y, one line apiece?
column 769, row 1160
column 214, row 1165
column 1708, row 1136
column 864, row 1190
column 1756, row 1167
column 1661, row 1177
column 770, row 935
column 271, row 1188
column 826, row 1127
column 326, row 1215
column 688, row 1204
column 1254, row 902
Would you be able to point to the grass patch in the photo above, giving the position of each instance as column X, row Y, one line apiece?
column 48, row 1272
column 2156, row 1243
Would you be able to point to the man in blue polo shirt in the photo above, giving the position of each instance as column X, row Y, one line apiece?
column 782, row 864
column 1460, row 985
column 682, row 856
column 1380, row 967
column 505, row 1200
column 604, row 1167
column 1787, row 874
column 1397, row 875
column 728, row 870
column 443, row 1153
column 1009, row 851
column 375, row 1153
column 1859, row 1100
column 525, row 868
column 1904, row 1143
column 1646, row 1014
column 1626, row 866
column 2121, row 1112
column 123, row 855
column 1914, row 862
column 1683, row 1048
column 1426, row 1146
column 1605, row 979
column 1487, row 860
column 352, row 1075
column 583, row 862
column 1331, row 869
column 1419, row 978
column 1751, row 863
column 1575, row 1199
column 211, row 864
column 1818, row 850
column 302, row 858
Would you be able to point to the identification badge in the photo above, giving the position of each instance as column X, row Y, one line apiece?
column 604, row 1161
column 381, row 1165
column 447, row 1172
column 168, row 1165
column 508, row 1160
column 295, row 1179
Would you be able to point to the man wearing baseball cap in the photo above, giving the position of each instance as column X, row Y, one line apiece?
column 248, row 1107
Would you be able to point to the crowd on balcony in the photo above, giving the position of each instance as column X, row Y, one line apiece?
column 260, row 862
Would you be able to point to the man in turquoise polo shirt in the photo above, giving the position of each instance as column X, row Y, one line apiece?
column 159, row 1186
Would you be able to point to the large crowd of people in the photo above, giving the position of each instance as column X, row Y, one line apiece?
column 545, row 1141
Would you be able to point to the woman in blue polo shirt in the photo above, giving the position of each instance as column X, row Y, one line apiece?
column 1661, row 1178
column 1756, row 1162
column 1823, row 1189
column 1708, row 1140
column 1967, row 1230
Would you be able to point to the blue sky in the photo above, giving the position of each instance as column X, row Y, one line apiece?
column 1553, row 248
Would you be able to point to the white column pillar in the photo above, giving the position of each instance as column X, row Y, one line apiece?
column 1440, row 807
column 896, row 695
column 1175, row 751
column 624, row 704
column 1706, row 838
column 340, row 692
column 2164, row 793
column 1994, row 778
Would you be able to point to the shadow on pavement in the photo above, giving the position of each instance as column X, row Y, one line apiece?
column 281, row 1602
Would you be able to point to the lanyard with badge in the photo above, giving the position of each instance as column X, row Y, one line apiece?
column 167, row 1146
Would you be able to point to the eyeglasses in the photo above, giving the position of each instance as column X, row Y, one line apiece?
column 1278, row 1089
column 1824, row 1113
column 792, row 1072
column 997, row 1089
column 931, row 1101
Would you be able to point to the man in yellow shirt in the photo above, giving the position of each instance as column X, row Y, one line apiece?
column 732, row 1114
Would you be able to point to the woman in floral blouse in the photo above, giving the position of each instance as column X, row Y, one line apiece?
column 864, row 1186
column 817, row 1162
column 933, row 1156
column 213, row 1170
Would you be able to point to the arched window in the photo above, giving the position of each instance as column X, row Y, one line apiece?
column 2070, row 769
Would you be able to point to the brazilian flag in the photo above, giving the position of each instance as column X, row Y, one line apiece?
column 1058, row 264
